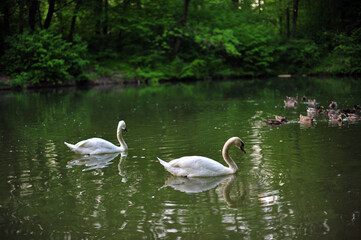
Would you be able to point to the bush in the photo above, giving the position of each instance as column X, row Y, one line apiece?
column 343, row 55
column 246, row 49
column 298, row 56
column 43, row 58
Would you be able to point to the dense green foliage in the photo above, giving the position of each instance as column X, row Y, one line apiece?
column 43, row 58
column 152, row 40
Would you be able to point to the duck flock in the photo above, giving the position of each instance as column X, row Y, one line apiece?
column 334, row 114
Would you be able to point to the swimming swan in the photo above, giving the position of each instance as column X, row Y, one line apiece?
column 100, row 146
column 198, row 166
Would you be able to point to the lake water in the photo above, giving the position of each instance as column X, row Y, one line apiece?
column 297, row 181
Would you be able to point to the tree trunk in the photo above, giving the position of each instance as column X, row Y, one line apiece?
column 50, row 14
column 294, row 17
column 281, row 22
column 280, row 19
column 288, row 23
column 21, row 17
column 33, row 10
column 98, row 25
column 73, row 20
column 105, row 26
column 6, row 17
column 40, row 20
column 183, row 24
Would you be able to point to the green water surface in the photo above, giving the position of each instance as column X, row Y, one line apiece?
column 297, row 181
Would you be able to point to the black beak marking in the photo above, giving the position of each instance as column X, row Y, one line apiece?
column 242, row 148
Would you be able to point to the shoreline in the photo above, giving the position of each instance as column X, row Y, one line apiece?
column 115, row 80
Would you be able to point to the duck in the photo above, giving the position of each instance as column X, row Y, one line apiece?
column 273, row 122
column 290, row 101
column 335, row 117
column 311, row 110
column 199, row 166
column 331, row 111
column 314, row 110
column 352, row 110
column 100, row 146
column 277, row 121
column 352, row 116
column 311, row 102
column 295, row 99
column 333, row 105
column 349, row 110
column 282, row 119
column 305, row 119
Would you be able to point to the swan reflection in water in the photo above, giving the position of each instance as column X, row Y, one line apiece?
column 121, row 170
column 229, row 187
column 92, row 162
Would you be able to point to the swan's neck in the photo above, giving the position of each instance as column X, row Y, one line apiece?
column 232, row 165
column 123, row 145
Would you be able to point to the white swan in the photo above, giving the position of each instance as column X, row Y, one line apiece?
column 100, row 146
column 197, row 166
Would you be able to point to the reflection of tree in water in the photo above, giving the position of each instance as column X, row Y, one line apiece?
column 229, row 187
column 92, row 162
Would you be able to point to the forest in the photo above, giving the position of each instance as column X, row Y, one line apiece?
column 59, row 41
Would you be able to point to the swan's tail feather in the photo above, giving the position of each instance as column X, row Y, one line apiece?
column 169, row 168
column 162, row 162
column 71, row 146
column 165, row 164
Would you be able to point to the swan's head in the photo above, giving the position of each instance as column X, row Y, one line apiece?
column 238, row 143
column 121, row 125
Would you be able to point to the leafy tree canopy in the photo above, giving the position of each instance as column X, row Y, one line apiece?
column 47, row 40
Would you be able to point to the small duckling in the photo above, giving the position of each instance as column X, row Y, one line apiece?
column 333, row 105
column 305, row 119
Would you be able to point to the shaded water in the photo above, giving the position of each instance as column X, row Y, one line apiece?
column 296, row 180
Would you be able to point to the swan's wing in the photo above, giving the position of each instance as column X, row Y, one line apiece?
column 194, row 162
column 195, row 166
column 94, row 143
column 84, row 143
